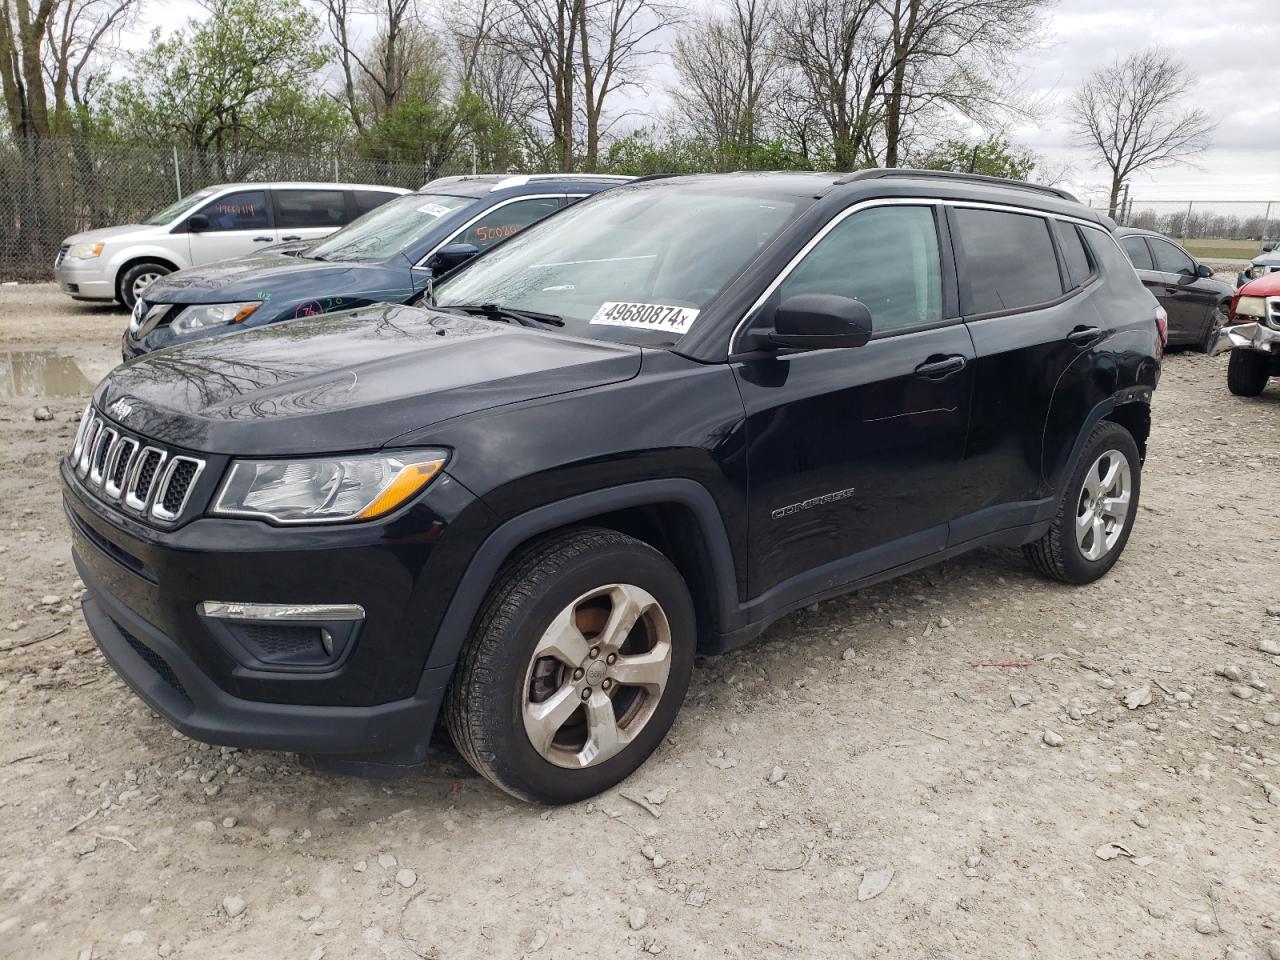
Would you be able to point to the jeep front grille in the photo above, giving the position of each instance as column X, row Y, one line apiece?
column 127, row 471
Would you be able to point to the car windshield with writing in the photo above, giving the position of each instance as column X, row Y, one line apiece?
column 174, row 210
column 632, row 264
column 389, row 229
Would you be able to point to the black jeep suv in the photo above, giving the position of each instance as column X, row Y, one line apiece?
column 648, row 426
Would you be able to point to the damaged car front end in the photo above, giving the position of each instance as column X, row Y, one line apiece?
column 1252, row 334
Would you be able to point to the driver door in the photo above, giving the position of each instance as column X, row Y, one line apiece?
column 854, row 454
column 239, row 224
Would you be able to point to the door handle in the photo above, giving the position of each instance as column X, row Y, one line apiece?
column 942, row 367
column 1085, row 336
column 292, row 236
column 263, row 239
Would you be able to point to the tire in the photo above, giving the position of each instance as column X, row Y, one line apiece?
column 1079, row 555
column 507, row 675
column 1247, row 372
column 133, row 280
column 1217, row 320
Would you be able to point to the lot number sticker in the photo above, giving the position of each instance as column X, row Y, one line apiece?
column 433, row 209
column 645, row 316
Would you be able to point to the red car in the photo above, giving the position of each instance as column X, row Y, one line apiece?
column 1252, row 334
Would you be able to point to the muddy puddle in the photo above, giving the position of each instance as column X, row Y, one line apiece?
column 45, row 373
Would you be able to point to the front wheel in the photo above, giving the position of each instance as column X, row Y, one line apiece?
column 1247, row 372
column 1217, row 320
column 137, row 278
column 576, row 667
column 1096, row 512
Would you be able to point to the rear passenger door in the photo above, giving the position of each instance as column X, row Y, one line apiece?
column 306, row 214
column 1030, row 321
column 854, row 454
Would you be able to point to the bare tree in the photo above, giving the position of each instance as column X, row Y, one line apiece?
column 23, row 28
column 375, row 74
column 1137, row 114
column 79, row 36
column 727, row 69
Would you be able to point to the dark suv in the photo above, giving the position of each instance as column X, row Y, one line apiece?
column 648, row 426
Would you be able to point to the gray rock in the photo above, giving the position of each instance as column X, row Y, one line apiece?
column 1273, row 949
column 722, row 763
column 1142, row 820
column 1232, row 672
column 1106, row 683
column 637, row 918
column 1235, row 953
column 1020, row 699
column 1052, row 739
column 1269, row 647
column 697, row 896
column 849, row 654
column 310, row 912
column 406, row 878
column 233, row 906
column 1272, row 718
column 659, row 861
column 42, row 413
column 777, row 775
column 538, row 942
column 1206, row 924
column 1138, row 697
column 1242, row 692
column 386, row 861
column 874, row 883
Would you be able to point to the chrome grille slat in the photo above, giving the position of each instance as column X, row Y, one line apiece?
column 123, row 469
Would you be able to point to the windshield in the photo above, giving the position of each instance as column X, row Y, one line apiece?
column 172, row 212
column 635, row 264
column 389, row 229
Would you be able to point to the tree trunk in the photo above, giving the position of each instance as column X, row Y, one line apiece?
column 1116, row 184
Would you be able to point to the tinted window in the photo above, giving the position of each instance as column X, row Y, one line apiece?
column 246, row 210
column 1106, row 254
column 310, row 208
column 367, row 200
column 887, row 257
column 1139, row 255
column 503, row 222
column 1171, row 259
column 1073, row 252
column 1007, row 261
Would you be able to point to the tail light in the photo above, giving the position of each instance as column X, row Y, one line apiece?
column 1162, row 326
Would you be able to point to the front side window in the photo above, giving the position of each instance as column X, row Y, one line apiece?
column 389, row 229
column 174, row 210
column 1136, row 248
column 310, row 208
column 636, row 264
column 506, row 221
column 1172, row 259
column 887, row 257
column 244, row 210
column 1007, row 261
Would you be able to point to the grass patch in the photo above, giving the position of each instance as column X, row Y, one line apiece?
column 1223, row 249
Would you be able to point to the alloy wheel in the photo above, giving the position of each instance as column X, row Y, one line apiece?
column 596, row 676
column 1103, row 505
column 143, row 281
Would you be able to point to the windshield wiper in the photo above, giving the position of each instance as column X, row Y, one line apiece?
column 495, row 311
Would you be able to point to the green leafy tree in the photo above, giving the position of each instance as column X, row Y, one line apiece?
column 240, row 81
column 992, row 157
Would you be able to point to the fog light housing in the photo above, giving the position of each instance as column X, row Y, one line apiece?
column 303, row 638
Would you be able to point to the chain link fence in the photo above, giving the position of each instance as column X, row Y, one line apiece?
column 50, row 189
column 1217, row 229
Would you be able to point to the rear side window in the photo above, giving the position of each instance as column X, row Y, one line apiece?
column 1172, row 259
column 310, row 208
column 1106, row 254
column 1079, row 267
column 245, row 210
column 367, row 200
column 1007, row 261
column 887, row 257
column 1139, row 255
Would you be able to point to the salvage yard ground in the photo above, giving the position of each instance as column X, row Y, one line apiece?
column 872, row 778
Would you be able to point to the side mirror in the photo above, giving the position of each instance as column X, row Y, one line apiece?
column 197, row 223
column 453, row 255
column 1204, row 271
column 1268, row 246
column 819, row 321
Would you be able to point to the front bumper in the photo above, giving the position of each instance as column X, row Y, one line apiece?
column 85, row 279
column 1248, row 336
column 144, row 586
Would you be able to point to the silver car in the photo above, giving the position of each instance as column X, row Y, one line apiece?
column 216, row 223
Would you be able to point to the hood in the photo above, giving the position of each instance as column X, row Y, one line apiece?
column 1267, row 259
column 348, row 381
column 244, row 278
column 111, row 233
column 1267, row 285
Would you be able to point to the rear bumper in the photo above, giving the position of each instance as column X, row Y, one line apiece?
column 173, row 685
column 1248, row 336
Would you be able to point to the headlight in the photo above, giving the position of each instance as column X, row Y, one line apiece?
column 1251, row 307
column 85, row 251
column 202, row 316
column 326, row 490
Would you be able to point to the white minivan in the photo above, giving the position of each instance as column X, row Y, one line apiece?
column 216, row 223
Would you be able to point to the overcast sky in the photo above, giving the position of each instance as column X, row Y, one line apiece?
column 1231, row 44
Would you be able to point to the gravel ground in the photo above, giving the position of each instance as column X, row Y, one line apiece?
column 873, row 777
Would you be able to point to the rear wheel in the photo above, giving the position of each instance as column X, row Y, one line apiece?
column 1248, row 372
column 577, row 665
column 1096, row 512
column 137, row 278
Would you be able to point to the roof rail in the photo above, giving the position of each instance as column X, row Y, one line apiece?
column 884, row 173
column 520, row 179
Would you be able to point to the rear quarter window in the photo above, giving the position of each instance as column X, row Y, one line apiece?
column 1074, row 254
column 1107, row 254
column 1007, row 261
